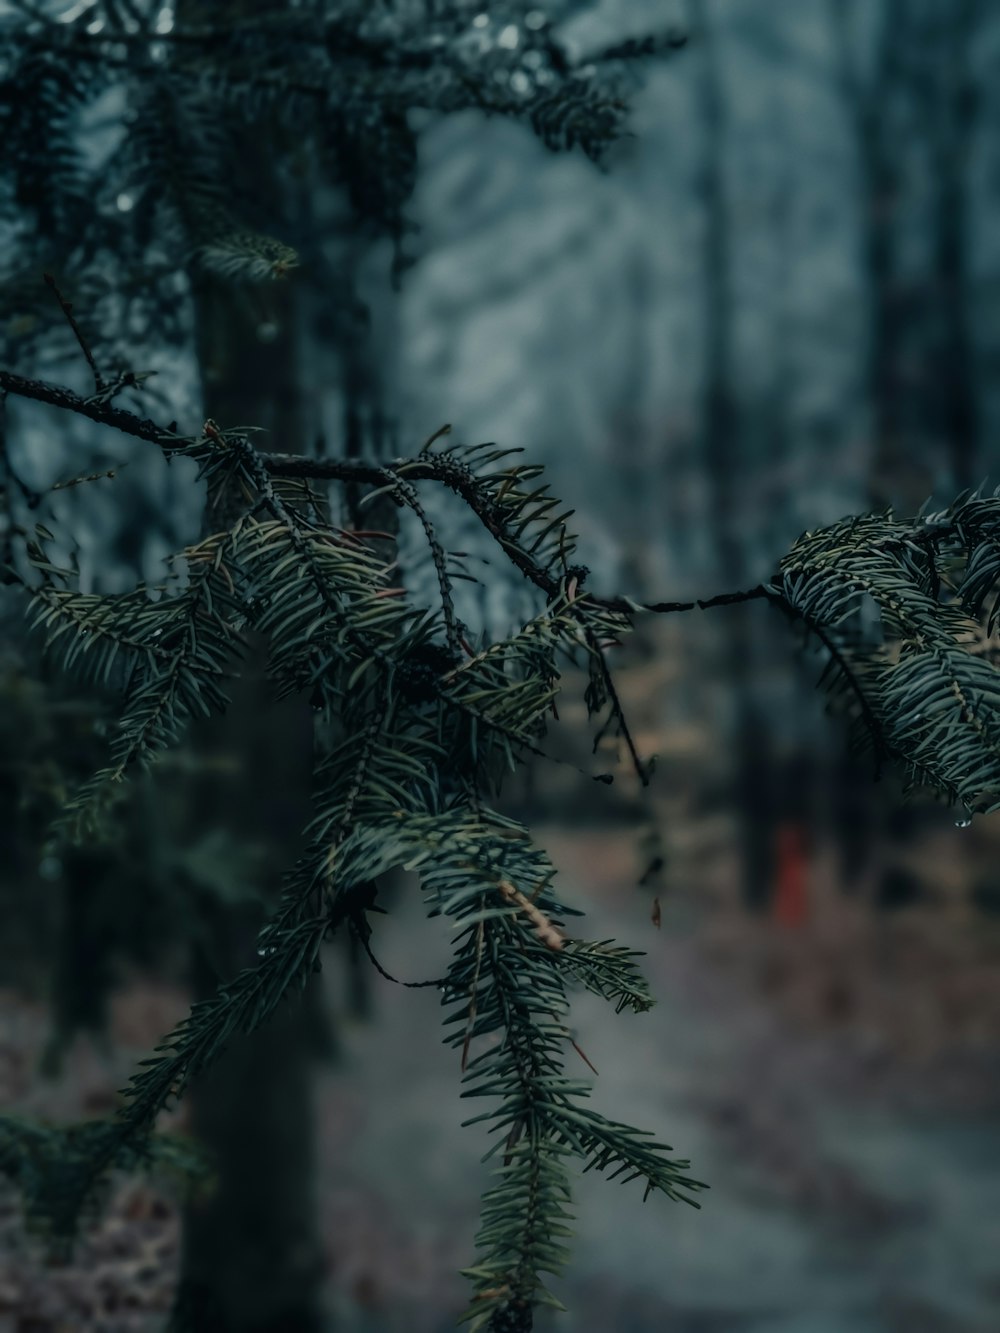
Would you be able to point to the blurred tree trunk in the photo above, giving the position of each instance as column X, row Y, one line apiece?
column 798, row 761
column 925, row 432
column 719, row 416
column 922, row 71
column 894, row 478
column 870, row 104
column 367, row 433
column 953, row 371
column 752, row 788
column 638, row 512
column 252, row 1252
column 920, row 84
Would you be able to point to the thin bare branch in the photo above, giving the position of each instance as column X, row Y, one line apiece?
column 67, row 308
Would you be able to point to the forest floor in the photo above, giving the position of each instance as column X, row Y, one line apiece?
column 835, row 1080
column 853, row 1156
column 851, row 1144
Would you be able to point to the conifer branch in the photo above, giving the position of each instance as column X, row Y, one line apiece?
column 416, row 737
column 425, row 467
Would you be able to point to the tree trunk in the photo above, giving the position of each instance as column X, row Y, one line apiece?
column 751, row 789
column 953, row 370
column 894, row 479
column 252, row 1256
column 252, row 1251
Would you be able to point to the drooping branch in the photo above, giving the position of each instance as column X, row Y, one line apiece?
column 450, row 472
column 426, row 467
column 444, row 470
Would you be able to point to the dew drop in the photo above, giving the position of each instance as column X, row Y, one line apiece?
column 964, row 822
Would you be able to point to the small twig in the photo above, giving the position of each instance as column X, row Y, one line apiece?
column 408, row 495
column 470, row 1022
column 589, row 1063
column 112, row 472
column 127, row 379
column 67, row 309
column 701, row 604
column 410, row 985
column 549, row 934
column 432, row 439
column 643, row 772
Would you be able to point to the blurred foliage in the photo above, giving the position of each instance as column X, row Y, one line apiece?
column 83, row 926
column 319, row 97
column 45, row 1162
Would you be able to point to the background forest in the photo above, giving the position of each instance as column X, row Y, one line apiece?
column 771, row 307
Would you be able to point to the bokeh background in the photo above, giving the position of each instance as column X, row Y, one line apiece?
column 777, row 306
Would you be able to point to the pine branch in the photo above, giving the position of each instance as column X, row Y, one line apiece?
column 414, row 736
column 496, row 513
column 924, row 698
column 175, row 649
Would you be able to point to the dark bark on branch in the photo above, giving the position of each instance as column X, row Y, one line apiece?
column 427, row 468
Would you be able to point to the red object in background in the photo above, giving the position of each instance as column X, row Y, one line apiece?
column 791, row 893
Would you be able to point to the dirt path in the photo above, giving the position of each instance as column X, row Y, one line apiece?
column 832, row 1210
